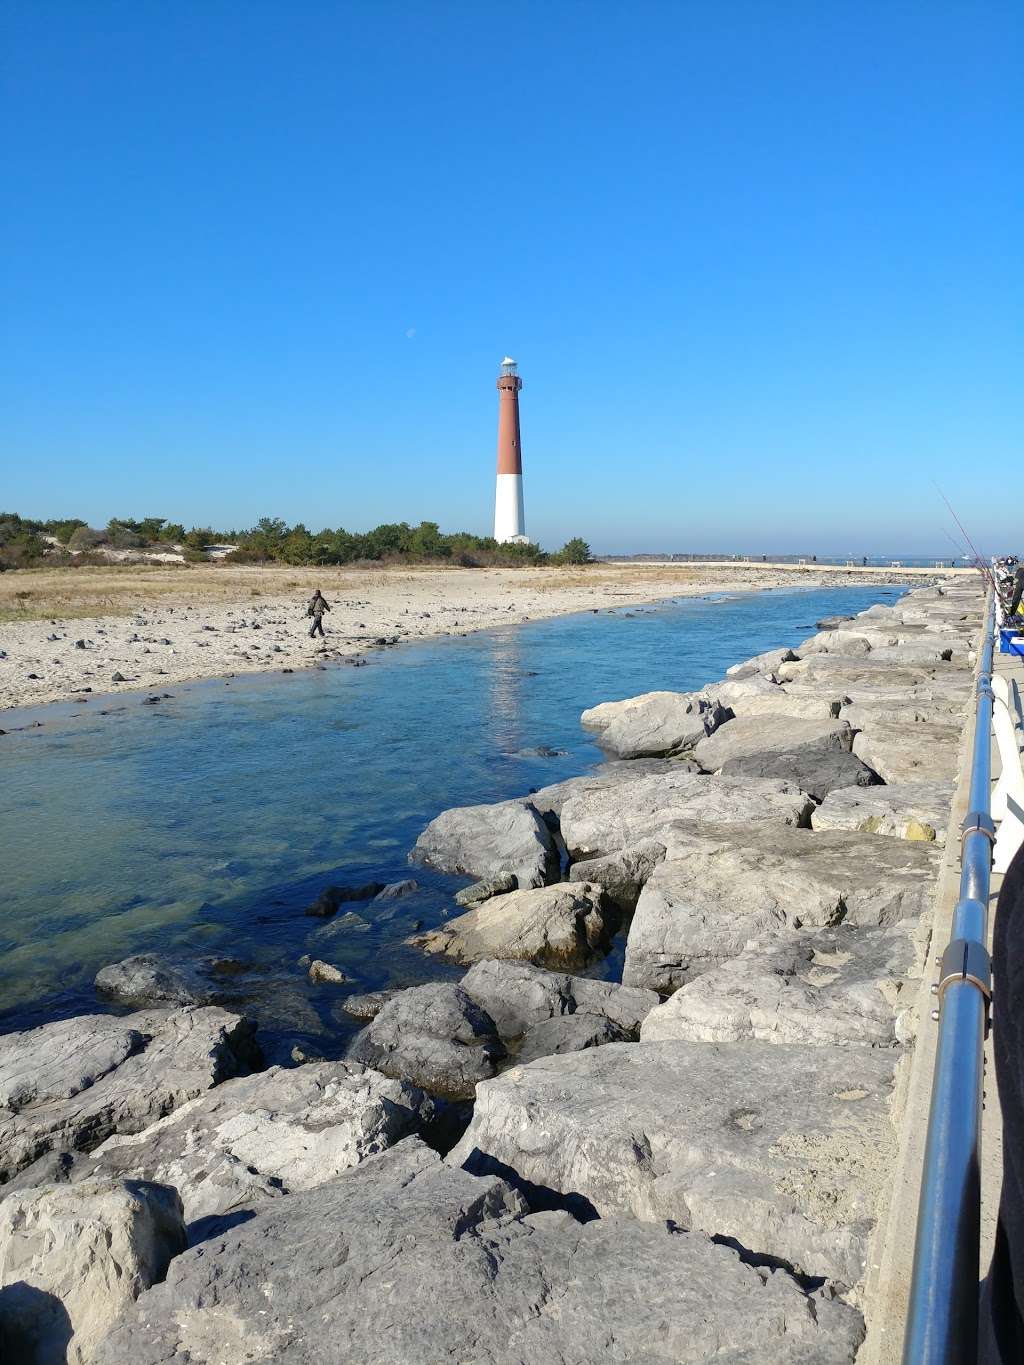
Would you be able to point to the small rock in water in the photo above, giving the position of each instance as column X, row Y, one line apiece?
column 483, row 890
column 368, row 1005
column 332, row 896
column 326, row 971
column 396, row 890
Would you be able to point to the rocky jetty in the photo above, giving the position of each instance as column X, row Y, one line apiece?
column 685, row 1163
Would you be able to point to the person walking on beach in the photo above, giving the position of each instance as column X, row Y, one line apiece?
column 317, row 606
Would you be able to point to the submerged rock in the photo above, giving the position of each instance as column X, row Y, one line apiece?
column 72, row 1259
column 153, row 979
column 407, row 1232
column 397, row 890
column 73, row 1083
column 716, row 890
column 553, row 926
column 435, row 1036
column 783, row 1150
column 484, row 841
column 332, row 897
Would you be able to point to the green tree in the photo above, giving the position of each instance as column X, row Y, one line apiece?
column 575, row 551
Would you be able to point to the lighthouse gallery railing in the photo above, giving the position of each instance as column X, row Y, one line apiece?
column 942, row 1321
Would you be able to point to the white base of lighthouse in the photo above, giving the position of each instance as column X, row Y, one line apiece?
column 509, row 516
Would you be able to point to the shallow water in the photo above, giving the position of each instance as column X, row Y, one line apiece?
column 208, row 822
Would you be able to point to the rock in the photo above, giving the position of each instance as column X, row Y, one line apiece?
column 408, row 1232
column 604, row 821
column 768, row 662
column 912, row 810
column 73, row 1083
column 734, row 693
column 435, row 1036
column 332, row 896
column 717, row 890
column 835, row 642
column 368, row 1005
column 832, row 622
column 117, row 677
column 622, row 874
column 902, row 753
column 518, row 996
column 569, row 1033
column 482, row 841
column 655, row 724
column 152, row 979
column 553, row 926
column 326, row 972
column 782, row 1151
column 72, row 1259
column 750, row 736
column 550, row 800
column 814, row 771
column 397, row 890
column 904, row 709
column 481, row 891
column 263, row 1136
column 840, row 987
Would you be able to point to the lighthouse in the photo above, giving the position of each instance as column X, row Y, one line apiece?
column 509, row 517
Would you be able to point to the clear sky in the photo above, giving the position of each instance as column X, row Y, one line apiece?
column 759, row 260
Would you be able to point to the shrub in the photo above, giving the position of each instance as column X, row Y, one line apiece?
column 87, row 538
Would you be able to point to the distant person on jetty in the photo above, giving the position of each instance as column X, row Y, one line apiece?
column 317, row 606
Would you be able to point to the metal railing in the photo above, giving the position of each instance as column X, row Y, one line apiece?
column 942, row 1321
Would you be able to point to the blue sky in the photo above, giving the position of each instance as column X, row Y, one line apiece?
column 759, row 262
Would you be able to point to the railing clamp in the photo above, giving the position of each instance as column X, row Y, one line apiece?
column 965, row 960
column 977, row 822
column 986, row 691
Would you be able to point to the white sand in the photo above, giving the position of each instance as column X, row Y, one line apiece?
column 165, row 643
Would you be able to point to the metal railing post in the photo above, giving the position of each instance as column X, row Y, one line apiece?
column 942, row 1321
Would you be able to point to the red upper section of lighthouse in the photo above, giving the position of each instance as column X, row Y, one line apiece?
column 510, row 456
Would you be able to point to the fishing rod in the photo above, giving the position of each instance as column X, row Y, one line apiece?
column 986, row 572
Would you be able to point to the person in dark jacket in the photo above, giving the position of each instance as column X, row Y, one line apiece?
column 1001, row 1335
column 316, row 608
column 1018, row 590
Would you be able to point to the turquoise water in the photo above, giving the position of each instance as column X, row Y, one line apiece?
column 207, row 823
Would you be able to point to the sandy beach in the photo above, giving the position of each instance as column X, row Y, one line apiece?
column 66, row 633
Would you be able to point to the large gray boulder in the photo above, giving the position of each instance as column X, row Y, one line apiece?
column 72, row 1259
column 406, row 1261
column 910, row 753
column 911, row 810
column 553, row 926
column 815, row 771
column 71, row 1084
column 768, row 662
column 435, row 1036
column 518, row 996
column 751, row 736
column 259, row 1137
column 839, row 987
column 569, row 1033
column 717, row 890
column 550, row 800
column 903, row 708
column 602, row 822
column 654, row 724
column 784, row 1150
column 482, row 841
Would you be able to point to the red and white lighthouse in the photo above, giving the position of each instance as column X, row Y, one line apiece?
column 509, row 516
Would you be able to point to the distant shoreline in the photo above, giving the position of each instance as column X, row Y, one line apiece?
column 218, row 623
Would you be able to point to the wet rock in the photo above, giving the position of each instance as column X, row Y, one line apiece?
column 73, row 1083
column 753, row 736
column 263, row 1136
column 518, row 996
column 481, row 891
column 781, row 1149
column 332, row 897
column 717, row 890
column 394, row 891
column 622, row 874
column 152, row 979
column 72, row 1260
column 902, row 753
column 552, row 926
column 326, row 972
column 407, row 1230
column 841, row 987
column 654, row 724
column 603, row 821
column 483, row 841
column 814, row 771
column 367, row 1005
column 434, row 1036
column 912, row 810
